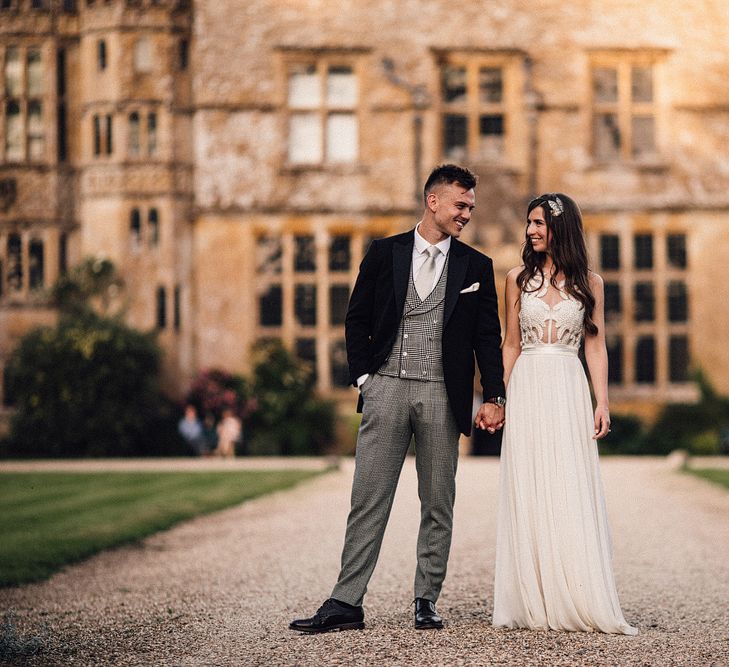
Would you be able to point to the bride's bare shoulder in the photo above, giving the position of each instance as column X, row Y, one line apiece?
column 512, row 275
column 595, row 280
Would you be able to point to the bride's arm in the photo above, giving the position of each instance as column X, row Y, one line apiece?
column 597, row 359
column 511, row 347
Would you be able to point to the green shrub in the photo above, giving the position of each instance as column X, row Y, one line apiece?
column 289, row 419
column 695, row 427
column 706, row 443
column 678, row 424
column 87, row 387
column 626, row 436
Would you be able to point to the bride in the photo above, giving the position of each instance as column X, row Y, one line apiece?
column 553, row 552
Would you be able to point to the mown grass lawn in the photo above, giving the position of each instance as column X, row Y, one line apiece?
column 48, row 520
column 716, row 475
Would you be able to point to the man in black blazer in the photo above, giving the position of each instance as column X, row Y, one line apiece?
column 423, row 306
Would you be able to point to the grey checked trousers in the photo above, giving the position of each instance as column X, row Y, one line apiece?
column 394, row 410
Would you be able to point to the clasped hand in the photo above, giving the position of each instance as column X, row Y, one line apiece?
column 490, row 417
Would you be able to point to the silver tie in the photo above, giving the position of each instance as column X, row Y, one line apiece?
column 426, row 275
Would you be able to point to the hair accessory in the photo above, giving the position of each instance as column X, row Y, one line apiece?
column 556, row 206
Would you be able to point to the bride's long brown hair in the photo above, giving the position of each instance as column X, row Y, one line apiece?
column 568, row 250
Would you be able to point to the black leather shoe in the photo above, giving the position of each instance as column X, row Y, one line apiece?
column 332, row 615
column 426, row 617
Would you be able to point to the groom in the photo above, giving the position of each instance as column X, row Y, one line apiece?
column 422, row 305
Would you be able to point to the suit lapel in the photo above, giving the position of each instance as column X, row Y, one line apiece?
column 402, row 259
column 457, row 266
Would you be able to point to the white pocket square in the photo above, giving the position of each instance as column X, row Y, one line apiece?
column 472, row 288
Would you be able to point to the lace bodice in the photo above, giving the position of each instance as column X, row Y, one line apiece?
column 545, row 321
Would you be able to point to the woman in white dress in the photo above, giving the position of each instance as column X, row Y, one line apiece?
column 553, row 552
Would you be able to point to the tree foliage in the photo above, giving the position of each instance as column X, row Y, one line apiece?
column 89, row 385
column 691, row 426
column 90, row 287
column 290, row 419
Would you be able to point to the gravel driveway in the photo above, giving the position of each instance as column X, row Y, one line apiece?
column 220, row 590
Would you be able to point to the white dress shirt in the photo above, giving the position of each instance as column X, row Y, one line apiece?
column 419, row 257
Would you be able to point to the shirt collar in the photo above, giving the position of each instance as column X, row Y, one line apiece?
column 421, row 244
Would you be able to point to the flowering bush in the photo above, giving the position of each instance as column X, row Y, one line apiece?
column 215, row 390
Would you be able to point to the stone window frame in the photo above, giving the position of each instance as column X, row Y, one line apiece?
column 135, row 229
column 26, row 101
column 134, row 134
column 625, row 108
column 183, row 54
column 143, row 55
column 623, row 332
column 161, row 306
column 323, row 60
column 152, row 135
column 325, row 336
column 62, row 149
column 154, row 230
column 102, row 55
column 102, row 134
column 142, row 127
column 32, row 283
column 511, row 107
column 144, row 227
column 177, row 308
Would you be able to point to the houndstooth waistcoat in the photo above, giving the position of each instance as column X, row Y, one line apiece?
column 417, row 353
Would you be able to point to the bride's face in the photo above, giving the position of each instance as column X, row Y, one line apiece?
column 537, row 231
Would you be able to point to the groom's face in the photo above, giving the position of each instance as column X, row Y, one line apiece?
column 453, row 207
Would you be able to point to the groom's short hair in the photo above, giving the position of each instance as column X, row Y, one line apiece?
column 445, row 174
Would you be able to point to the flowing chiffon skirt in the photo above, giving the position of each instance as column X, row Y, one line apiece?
column 553, row 550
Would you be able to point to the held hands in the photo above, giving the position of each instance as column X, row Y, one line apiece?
column 602, row 422
column 490, row 417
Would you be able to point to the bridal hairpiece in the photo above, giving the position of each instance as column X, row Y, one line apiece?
column 556, row 206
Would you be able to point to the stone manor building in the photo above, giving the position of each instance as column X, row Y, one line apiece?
column 235, row 157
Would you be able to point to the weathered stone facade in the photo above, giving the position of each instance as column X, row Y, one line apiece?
column 256, row 147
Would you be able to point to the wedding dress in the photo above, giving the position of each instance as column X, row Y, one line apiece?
column 553, row 551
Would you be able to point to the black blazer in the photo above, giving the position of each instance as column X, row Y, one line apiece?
column 470, row 327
